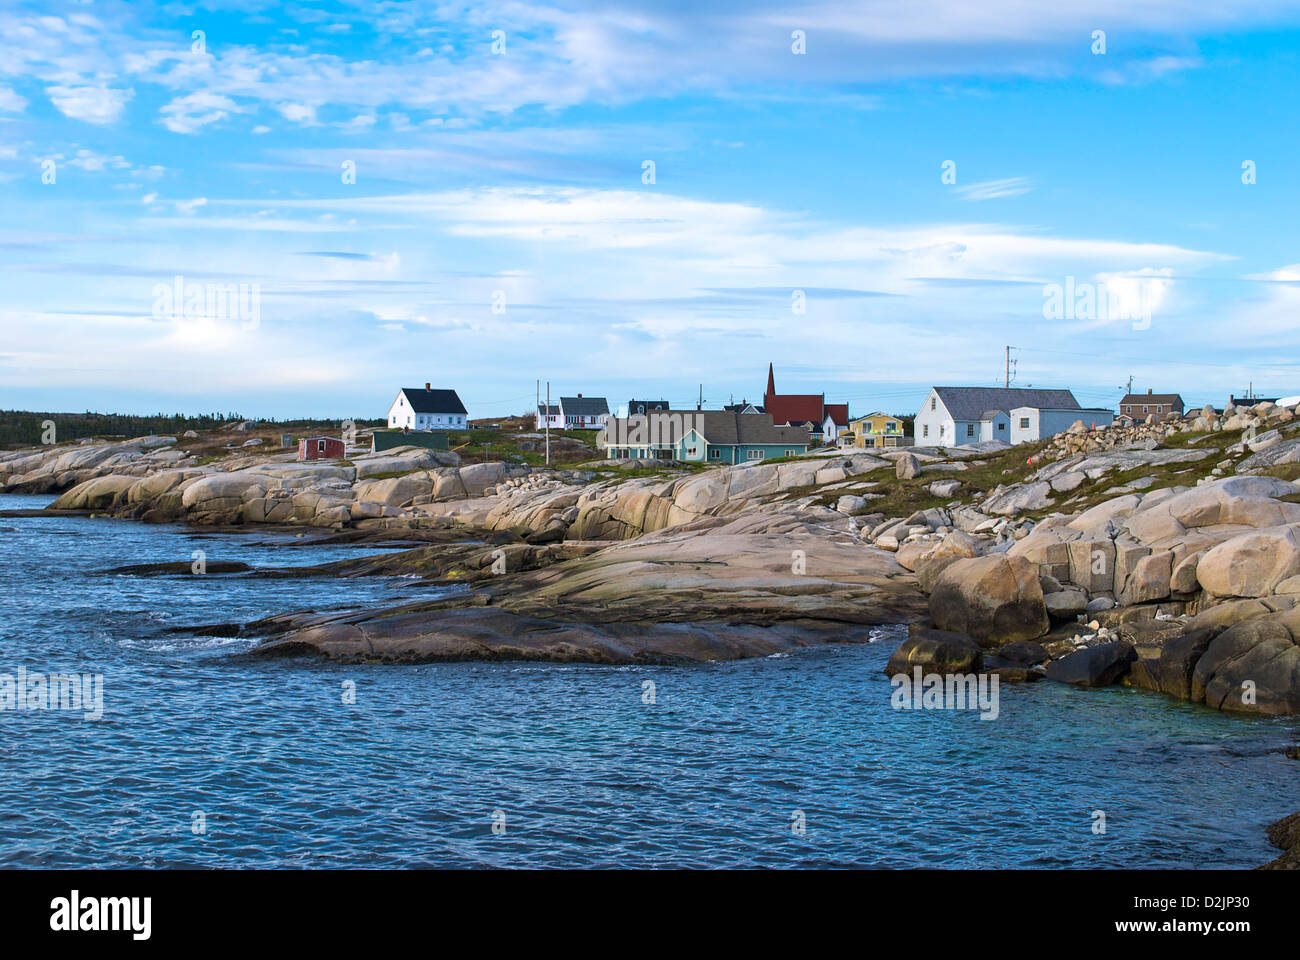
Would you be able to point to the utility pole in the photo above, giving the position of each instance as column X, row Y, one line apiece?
column 1130, row 384
column 699, row 404
column 548, row 423
column 1007, row 370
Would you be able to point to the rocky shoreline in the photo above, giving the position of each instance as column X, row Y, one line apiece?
column 1161, row 556
column 1164, row 556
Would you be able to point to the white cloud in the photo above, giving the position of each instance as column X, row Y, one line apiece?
column 301, row 113
column 189, row 206
column 190, row 113
column 93, row 162
column 93, row 104
column 11, row 102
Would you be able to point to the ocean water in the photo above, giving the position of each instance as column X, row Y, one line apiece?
column 205, row 757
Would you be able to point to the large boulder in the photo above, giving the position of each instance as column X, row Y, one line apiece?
column 99, row 493
column 703, row 493
column 1150, row 579
column 1252, row 564
column 477, row 477
column 955, row 546
column 907, row 467
column 1018, row 498
column 394, row 491
column 936, row 651
column 996, row 599
column 1252, row 667
column 1098, row 666
column 1172, row 673
column 1065, row 604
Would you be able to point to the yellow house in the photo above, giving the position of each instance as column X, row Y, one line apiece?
column 875, row 430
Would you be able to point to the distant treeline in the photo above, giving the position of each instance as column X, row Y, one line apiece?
column 21, row 428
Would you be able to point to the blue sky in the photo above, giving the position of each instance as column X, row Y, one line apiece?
column 499, row 229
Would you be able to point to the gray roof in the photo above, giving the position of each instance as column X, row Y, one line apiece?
column 719, row 427
column 972, row 403
column 642, row 406
column 584, row 406
column 545, row 411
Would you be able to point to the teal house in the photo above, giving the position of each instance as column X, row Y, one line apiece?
column 700, row 436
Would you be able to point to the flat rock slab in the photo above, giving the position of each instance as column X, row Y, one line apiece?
column 486, row 633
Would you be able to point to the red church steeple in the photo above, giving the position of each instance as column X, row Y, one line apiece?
column 771, row 384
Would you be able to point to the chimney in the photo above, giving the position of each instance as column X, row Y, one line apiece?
column 579, row 396
column 427, row 385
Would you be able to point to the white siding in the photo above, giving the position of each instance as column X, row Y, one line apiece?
column 933, row 425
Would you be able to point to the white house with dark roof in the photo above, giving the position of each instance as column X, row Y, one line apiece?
column 574, row 413
column 427, row 409
column 950, row 416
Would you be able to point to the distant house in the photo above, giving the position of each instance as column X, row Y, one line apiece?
column 1235, row 401
column 636, row 408
column 320, row 448
column 950, row 416
column 875, row 430
column 700, row 436
column 743, row 407
column 427, row 409
column 829, row 420
column 1139, row 406
column 574, row 413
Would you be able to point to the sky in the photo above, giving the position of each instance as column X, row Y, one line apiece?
column 650, row 201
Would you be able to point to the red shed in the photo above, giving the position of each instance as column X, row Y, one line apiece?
column 320, row 448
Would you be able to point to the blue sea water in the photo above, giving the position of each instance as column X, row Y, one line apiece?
column 567, row 759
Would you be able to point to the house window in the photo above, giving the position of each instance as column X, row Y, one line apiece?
column 970, row 429
column 932, row 403
column 925, row 430
column 1024, row 423
column 1144, row 409
column 320, row 446
column 753, row 454
column 1002, row 426
column 715, row 454
column 789, row 453
column 692, row 451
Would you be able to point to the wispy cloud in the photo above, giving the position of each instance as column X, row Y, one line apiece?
column 996, row 189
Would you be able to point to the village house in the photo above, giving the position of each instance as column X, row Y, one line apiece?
column 427, row 409
column 573, row 413
column 700, row 436
column 950, row 416
column 636, row 408
column 875, row 430
column 1138, row 406
column 825, row 421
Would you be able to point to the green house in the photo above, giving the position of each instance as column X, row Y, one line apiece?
column 700, row 436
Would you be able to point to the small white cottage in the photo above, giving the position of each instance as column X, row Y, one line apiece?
column 427, row 409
